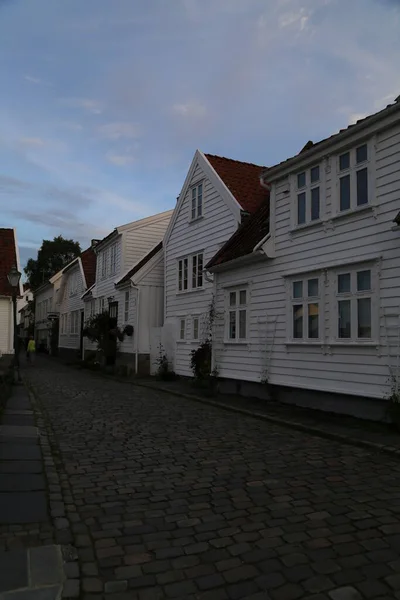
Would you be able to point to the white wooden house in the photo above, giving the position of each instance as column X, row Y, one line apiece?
column 216, row 195
column 44, row 304
column 9, row 257
column 311, row 291
column 117, row 254
column 77, row 277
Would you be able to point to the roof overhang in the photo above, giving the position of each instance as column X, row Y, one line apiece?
column 241, row 261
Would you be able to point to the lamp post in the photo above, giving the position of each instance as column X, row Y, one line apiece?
column 13, row 279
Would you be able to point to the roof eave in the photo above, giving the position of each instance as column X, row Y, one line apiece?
column 240, row 261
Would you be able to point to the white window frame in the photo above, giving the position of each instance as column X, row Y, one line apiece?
column 235, row 310
column 369, row 164
column 104, row 258
column 74, row 322
column 196, row 201
column 305, row 300
column 101, row 304
column 195, row 319
column 127, row 299
column 307, row 189
column 182, row 329
column 353, row 296
column 113, row 259
column 195, row 279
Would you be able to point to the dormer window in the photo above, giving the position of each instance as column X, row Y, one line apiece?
column 197, row 201
column 308, row 203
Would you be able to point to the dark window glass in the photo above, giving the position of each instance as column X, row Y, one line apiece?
column 344, row 307
column 301, row 208
column 344, row 161
column 363, row 281
column 345, row 192
column 362, row 187
column 313, row 332
column 314, row 203
column 362, row 154
column 298, row 321
column 344, row 283
column 364, row 317
column 301, row 180
column 315, row 174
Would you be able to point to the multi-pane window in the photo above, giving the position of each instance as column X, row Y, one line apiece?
column 182, row 329
column 190, row 272
column 126, row 307
column 197, row 201
column 308, row 195
column 237, row 314
column 92, row 307
column 73, row 284
column 305, row 300
column 195, row 328
column 353, row 178
column 101, row 304
column 104, row 257
column 74, row 322
column 354, row 305
column 113, row 310
column 113, row 259
column 63, row 324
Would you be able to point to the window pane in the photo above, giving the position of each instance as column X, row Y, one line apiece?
column 195, row 328
column 364, row 317
column 242, row 297
column 194, row 271
column 297, row 289
column 363, row 280
column 199, row 270
column 242, row 324
column 185, row 274
column 362, row 187
column 301, row 208
column 182, row 331
column 312, row 287
column 301, row 180
column 362, row 154
column 232, row 325
column 298, row 321
column 315, row 204
column 344, row 283
column 345, row 192
column 344, row 161
column 313, row 318
column 199, row 200
column 232, row 299
column 315, row 174
column 344, row 319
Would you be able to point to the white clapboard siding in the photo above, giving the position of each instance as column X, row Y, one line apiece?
column 6, row 344
column 203, row 235
column 359, row 370
column 69, row 304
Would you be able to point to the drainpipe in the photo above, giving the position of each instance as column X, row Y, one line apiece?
column 136, row 331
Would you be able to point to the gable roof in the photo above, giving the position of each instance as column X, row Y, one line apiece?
column 245, row 238
column 310, row 148
column 140, row 264
column 242, row 179
column 132, row 226
column 88, row 259
column 9, row 258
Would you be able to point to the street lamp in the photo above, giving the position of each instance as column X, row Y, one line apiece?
column 13, row 279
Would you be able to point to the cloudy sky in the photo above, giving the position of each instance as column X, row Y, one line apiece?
column 104, row 102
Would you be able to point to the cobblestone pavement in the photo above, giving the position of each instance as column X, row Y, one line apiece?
column 166, row 498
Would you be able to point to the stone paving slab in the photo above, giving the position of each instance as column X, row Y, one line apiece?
column 10, row 439
column 21, row 466
column 18, row 420
column 18, row 430
column 23, row 507
column 8, row 411
column 13, row 570
column 19, row 482
column 19, row 403
column 45, row 593
column 19, row 452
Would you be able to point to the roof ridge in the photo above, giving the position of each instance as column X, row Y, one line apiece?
column 242, row 162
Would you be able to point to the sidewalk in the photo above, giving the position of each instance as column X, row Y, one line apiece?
column 378, row 437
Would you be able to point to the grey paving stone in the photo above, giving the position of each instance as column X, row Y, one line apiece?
column 23, row 507
column 19, row 452
column 48, row 593
column 17, row 420
column 9, row 411
column 19, row 482
column 345, row 593
column 21, row 466
column 7, row 439
column 45, row 565
column 13, row 570
column 71, row 588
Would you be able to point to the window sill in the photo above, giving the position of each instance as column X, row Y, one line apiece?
column 181, row 341
column 237, row 342
column 353, row 211
column 305, row 226
column 353, row 343
column 192, row 291
column 196, row 219
column 305, row 343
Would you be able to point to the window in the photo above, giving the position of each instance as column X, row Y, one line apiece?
column 182, row 329
column 197, row 201
column 113, row 310
column 194, row 266
column 353, row 178
column 126, row 307
column 354, row 305
column 195, row 328
column 104, row 264
column 308, row 189
column 305, row 304
column 92, row 307
column 237, row 315
column 74, row 322
column 113, row 259
column 101, row 304
column 62, row 324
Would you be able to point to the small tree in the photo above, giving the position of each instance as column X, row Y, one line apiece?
column 103, row 330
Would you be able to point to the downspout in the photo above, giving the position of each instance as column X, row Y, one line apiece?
column 136, row 331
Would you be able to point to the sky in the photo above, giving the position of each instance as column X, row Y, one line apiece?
column 103, row 103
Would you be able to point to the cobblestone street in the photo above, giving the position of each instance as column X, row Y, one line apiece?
column 168, row 498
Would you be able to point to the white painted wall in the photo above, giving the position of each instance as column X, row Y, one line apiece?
column 70, row 302
column 203, row 235
column 361, row 369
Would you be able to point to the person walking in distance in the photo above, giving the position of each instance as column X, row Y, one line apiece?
column 31, row 350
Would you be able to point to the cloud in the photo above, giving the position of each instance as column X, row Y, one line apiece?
column 31, row 79
column 190, row 110
column 92, row 106
column 32, row 142
column 115, row 131
column 120, row 160
column 297, row 20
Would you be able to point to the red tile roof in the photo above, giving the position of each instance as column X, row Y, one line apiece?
column 8, row 258
column 245, row 237
column 88, row 259
column 242, row 179
column 140, row 264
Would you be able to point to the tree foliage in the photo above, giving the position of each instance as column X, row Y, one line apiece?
column 53, row 256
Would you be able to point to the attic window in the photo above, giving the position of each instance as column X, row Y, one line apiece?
column 196, row 201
